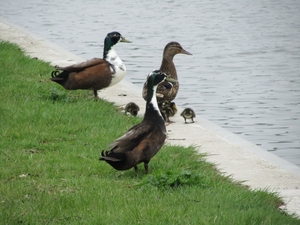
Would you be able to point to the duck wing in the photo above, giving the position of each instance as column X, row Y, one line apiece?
column 166, row 91
column 132, row 138
column 93, row 74
column 139, row 144
column 83, row 65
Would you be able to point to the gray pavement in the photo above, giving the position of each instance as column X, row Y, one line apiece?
column 232, row 155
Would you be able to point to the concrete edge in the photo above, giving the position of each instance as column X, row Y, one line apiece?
column 264, row 154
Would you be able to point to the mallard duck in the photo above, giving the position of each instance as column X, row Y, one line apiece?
column 96, row 73
column 168, row 109
column 132, row 108
column 142, row 141
column 165, row 91
column 188, row 113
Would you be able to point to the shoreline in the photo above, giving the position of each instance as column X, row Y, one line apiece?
column 232, row 155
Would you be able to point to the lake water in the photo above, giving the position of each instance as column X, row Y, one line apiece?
column 244, row 74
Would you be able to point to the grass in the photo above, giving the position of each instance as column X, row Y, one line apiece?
column 50, row 142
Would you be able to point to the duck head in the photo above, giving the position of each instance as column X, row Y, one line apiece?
column 173, row 48
column 112, row 39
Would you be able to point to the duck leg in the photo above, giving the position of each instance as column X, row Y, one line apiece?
column 96, row 94
column 146, row 167
column 135, row 168
column 168, row 119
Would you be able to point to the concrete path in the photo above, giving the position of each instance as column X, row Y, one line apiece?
column 232, row 155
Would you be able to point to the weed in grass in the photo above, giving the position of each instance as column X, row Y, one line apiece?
column 161, row 178
column 57, row 95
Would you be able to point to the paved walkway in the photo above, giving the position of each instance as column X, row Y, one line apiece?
column 232, row 155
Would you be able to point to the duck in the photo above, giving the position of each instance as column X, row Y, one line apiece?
column 142, row 141
column 168, row 109
column 188, row 113
column 132, row 108
column 167, row 91
column 95, row 73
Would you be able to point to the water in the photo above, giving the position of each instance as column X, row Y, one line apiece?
column 244, row 74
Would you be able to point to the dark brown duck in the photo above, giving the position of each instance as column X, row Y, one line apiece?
column 142, row 141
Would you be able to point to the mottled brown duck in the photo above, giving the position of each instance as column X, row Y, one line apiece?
column 165, row 90
column 142, row 141
column 94, row 74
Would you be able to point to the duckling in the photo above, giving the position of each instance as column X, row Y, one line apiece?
column 168, row 109
column 142, row 141
column 132, row 108
column 165, row 92
column 96, row 73
column 188, row 113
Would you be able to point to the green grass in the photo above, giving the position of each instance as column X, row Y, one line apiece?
column 50, row 142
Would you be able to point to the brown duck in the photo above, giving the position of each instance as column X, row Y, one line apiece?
column 96, row 73
column 142, row 141
column 165, row 90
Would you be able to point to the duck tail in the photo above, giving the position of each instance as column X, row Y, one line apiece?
column 59, row 77
column 111, row 156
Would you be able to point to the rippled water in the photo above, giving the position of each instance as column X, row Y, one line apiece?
column 244, row 74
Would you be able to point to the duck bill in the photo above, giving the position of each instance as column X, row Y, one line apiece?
column 169, row 79
column 186, row 52
column 124, row 40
